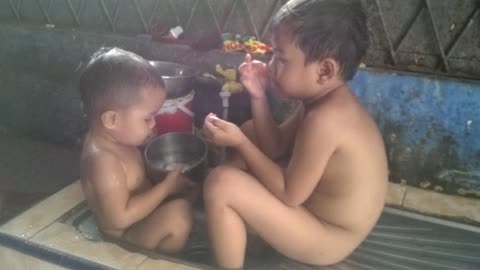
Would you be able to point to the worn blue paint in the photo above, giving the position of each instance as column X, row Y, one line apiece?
column 418, row 103
column 425, row 114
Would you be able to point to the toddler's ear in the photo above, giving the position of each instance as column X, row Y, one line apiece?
column 109, row 119
column 326, row 69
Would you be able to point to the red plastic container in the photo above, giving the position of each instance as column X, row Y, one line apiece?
column 175, row 115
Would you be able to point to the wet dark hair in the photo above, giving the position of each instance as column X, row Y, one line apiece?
column 326, row 28
column 113, row 79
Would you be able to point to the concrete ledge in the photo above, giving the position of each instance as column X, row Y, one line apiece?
column 396, row 194
column 431, row 202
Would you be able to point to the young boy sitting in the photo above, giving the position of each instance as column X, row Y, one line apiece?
column 121, row 95
column 320, row 206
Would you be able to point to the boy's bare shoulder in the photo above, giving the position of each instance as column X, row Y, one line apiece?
column 320, row 126
column 324, row 115
column 332, row 119
column 102, row 168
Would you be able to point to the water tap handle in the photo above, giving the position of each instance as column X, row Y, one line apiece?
column 225, row 98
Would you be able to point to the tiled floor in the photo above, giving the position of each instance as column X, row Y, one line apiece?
column 12, row 259
column 62, row 237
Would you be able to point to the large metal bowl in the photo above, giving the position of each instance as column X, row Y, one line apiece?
column 179, row 79
column 164, row 152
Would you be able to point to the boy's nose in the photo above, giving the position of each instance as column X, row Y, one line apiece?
column 152, row 125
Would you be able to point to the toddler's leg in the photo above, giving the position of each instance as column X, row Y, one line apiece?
column 166, row 229
column 234, row 197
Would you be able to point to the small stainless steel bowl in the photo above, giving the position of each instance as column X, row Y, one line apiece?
column 179, row 79
column 164, row 152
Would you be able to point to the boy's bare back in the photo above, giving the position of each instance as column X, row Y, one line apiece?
column 351, row 189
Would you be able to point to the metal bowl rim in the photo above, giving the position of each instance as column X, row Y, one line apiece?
column 194, row 164
column 194, row 72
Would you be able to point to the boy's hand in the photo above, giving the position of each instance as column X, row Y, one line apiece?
column 178, row 182
column 221, row 132
column 254, row 76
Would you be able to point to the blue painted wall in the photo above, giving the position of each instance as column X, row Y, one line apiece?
column 431, row 127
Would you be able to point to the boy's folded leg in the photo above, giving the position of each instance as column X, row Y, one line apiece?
column 292, row 231
column 166, row 229
column 119, row 241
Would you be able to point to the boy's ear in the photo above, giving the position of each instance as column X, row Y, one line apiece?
column 327, row 69
column 109, row 119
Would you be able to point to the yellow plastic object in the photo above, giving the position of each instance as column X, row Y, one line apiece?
column 230, row 74
column 232, row 87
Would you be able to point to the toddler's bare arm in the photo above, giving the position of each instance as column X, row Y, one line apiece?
column 120, row 208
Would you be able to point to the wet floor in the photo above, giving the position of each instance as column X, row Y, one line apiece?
column 398, row 242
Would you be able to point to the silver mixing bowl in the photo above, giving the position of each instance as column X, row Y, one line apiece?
column 178, row 78
column 164, row 152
